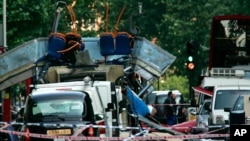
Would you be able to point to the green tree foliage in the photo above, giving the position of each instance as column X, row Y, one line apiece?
column 171, row 22
column 173, row 82
column 26, row 20
column 30, row 19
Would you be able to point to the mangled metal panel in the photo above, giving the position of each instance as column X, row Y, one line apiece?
column 151, row 57
column 22, row 55
column 100, row 72
column 16, row 64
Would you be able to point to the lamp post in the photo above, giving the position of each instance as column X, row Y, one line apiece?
column 133, row 30
column 4, row 24
column 5, row 94
column 3, row 43
column 191, row 54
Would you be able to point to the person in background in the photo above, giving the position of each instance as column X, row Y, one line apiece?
column 170, row 108
column 181, row 111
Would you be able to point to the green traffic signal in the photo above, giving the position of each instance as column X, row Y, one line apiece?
column 190, row 58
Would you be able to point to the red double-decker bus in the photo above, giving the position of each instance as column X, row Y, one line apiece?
column 230, row 41
column 229, row 48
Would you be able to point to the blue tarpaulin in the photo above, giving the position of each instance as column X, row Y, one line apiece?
column 137, row 104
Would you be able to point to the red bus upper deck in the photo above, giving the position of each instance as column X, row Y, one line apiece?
column 230, row 41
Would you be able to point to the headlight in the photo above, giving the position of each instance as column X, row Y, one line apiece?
column 219, row 119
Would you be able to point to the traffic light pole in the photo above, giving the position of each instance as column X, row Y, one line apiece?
column 191, row 65
column 191, row 84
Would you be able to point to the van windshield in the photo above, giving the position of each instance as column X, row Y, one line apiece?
column 227, row 98
column 67, row 107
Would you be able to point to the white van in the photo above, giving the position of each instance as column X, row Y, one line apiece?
column 219, row 76
column 104, row 95
column 225, row 96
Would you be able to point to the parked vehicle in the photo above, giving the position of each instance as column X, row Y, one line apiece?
column 224, row 96
column 58, row 108
column 239, row 113
column 217, row 77
column 157, row 99
column 104, row 95
column 201, row 120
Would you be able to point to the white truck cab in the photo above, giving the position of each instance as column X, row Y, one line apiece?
column 104, row 95
column 219, row 76
column 225, row 96
column 223, row 85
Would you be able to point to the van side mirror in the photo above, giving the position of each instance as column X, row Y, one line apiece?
column 193, row 112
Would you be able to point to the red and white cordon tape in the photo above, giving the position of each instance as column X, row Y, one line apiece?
column 183, row 104
column 44, row 136
column 5, row 124
column 83, row 127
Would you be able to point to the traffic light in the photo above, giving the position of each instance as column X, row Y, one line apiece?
column 190, row 65
column 190, row 54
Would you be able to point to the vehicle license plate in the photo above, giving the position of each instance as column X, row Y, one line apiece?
column 59, row 132
column 59, row 139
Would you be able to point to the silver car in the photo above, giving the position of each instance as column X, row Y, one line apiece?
column 202, row 117
column 157, row 98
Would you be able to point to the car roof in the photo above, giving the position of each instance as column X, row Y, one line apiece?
column 163, row 92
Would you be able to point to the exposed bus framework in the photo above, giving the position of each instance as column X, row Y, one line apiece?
column 230, row 41
column 143, row 63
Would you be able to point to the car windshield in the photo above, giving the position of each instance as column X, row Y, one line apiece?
column 161, row 99
column 60, row 107
column 227, row 98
